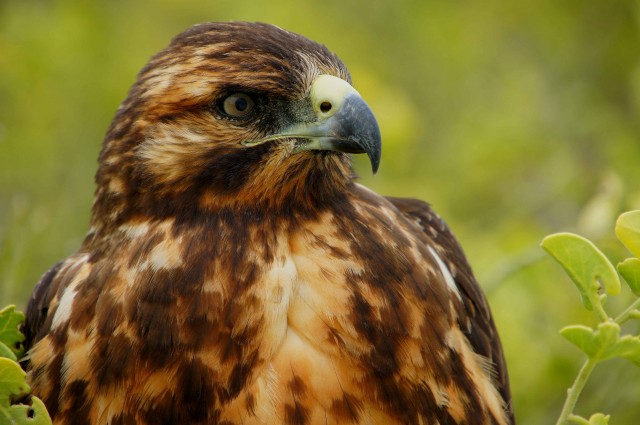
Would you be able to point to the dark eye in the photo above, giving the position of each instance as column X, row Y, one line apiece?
column 238, row 105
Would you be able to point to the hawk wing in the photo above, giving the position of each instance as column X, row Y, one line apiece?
column 38, row 306
column 477, row 324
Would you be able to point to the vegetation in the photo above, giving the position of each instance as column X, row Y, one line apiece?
column 16, row 407
column 513, row 119
column 595, row 278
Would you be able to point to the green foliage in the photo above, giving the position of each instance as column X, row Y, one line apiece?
column 593, row 273
column 595, row 419
column 16, row 406
column 586, row 265
column 605, row 342
column 630, row 271
column 10, row 336
column 628, row 231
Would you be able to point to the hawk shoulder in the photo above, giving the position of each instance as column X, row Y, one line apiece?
column 38, row 306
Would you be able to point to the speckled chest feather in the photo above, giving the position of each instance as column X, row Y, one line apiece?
column 246, row 319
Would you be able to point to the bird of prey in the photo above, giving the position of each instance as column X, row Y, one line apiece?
column 236, row 273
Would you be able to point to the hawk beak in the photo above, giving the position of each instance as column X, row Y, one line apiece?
column 344, row 122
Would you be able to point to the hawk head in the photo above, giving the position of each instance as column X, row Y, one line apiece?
column 233, row 115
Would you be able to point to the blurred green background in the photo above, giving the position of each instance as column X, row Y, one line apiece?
column 514, row 119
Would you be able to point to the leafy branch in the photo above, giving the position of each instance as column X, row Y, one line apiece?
column 596, row 278
column 16, row 405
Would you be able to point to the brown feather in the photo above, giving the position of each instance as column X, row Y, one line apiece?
column 251, row 285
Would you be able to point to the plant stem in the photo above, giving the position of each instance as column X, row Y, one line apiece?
column 574, row 392
column 624, row 316
column 599, row 310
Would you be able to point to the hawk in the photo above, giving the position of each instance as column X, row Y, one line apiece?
column 236, row 273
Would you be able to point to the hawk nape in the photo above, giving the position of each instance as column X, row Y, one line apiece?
column 235, row 272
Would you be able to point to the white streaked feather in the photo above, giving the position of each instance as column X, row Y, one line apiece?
column 448, row 278
column 63, row 312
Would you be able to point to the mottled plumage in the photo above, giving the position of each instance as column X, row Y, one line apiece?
column 235, row 272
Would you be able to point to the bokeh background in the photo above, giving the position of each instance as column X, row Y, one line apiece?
column 514, row 119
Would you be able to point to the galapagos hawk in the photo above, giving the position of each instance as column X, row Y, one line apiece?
column 236, row 273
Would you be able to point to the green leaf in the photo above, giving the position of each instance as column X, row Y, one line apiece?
column 606, row 339
column 592, row 342
column 34, row 414
column 605, row 342
column 12, row 379
column 7, row 352
column 599, row 419
column 585, row 264
column 12, row 384
column 628, row 231
column 576, row 419
column 581, row 336
column 630, row 271
column 10, row 335
column 627, row 347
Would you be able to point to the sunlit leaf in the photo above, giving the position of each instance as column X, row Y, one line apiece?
column 582, row 337
column 599, row 419
column 628, row 231
column 630, row 271
column 10, row 334
column 585, row 264
column 605, row 342
column 597, row 344
column 606, row 339
column 627, row 347
column 34, row 414
column 7, row 352
column 12, row 382
column 634, row 314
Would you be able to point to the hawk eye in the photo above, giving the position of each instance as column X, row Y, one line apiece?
column 238, row 105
